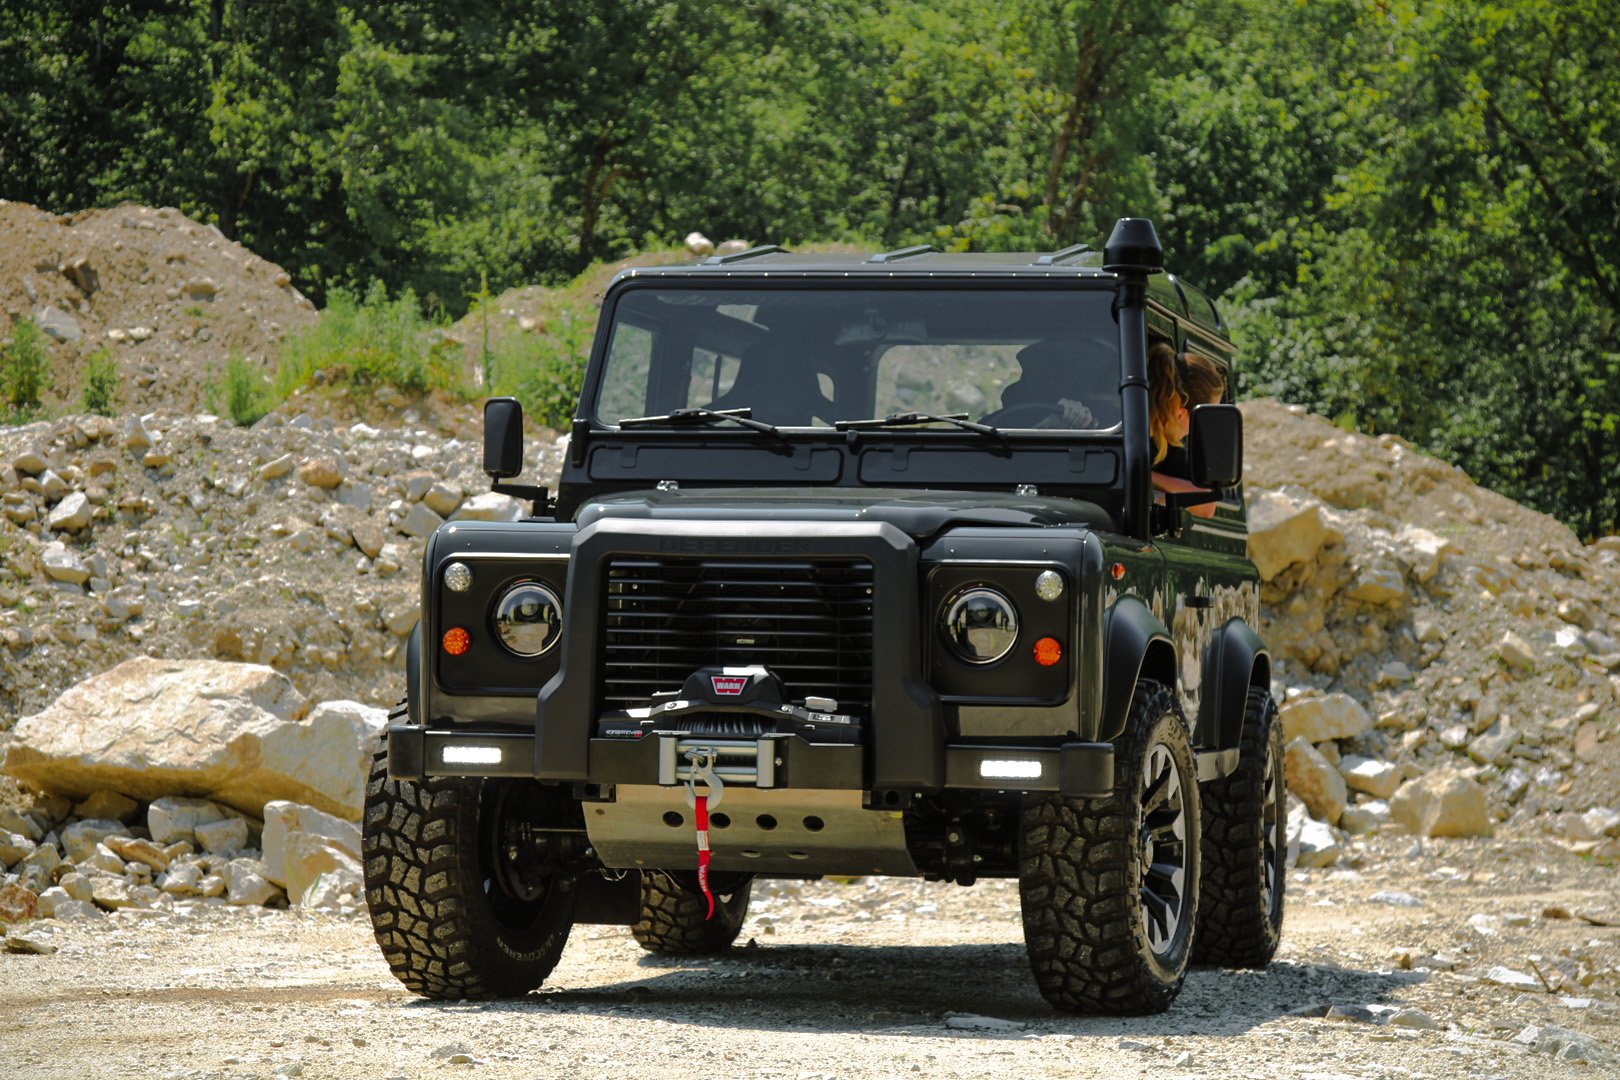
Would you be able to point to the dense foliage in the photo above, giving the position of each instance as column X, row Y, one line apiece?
column 1409, row 206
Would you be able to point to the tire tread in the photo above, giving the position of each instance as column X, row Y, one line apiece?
column 1075, row 860
column 673, row 923
column 415, row 873
column 1233, row 931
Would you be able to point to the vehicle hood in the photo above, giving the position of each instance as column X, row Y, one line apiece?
column 919, row 514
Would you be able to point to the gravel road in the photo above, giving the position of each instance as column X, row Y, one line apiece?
column 877, row 977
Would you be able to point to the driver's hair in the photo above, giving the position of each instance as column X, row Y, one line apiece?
column 1165, row 398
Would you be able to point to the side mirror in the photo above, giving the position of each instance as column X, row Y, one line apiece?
column 503, row 437
column 1215, row 446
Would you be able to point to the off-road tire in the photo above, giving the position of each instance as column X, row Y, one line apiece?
column 1081, row 875
column 672, row 919
column 428, row 888
column 1239, row 917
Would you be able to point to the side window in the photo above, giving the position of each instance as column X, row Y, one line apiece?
column 625, row 375
column 713, row 373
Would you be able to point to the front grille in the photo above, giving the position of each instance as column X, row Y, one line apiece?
column 808, row 622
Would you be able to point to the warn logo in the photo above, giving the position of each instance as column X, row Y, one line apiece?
column 729, row 685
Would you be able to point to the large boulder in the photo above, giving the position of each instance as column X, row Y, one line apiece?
column 233, row 733
column 1442, row 803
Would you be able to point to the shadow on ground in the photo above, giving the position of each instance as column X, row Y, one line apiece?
column 902, row 989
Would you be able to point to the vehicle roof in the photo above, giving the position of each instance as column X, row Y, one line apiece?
column 1076, row 263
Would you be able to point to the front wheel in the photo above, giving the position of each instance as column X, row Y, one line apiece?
column 1109, row 886
column 463, row 902
column 1240, row 907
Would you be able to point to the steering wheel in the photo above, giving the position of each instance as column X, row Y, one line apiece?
column 1031, row 412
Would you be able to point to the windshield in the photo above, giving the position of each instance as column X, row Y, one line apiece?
column 810, row 357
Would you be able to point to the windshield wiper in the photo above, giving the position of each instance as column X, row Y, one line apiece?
column 912, row 419
column 702, row 416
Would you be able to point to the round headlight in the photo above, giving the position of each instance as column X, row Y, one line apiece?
column 980, row 624
column 528, row 619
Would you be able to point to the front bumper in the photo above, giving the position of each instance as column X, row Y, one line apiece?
column 769, row 762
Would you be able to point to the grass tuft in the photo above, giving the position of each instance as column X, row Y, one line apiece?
column 373, row 341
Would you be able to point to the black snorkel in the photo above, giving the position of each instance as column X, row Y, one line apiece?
column 1133, row 252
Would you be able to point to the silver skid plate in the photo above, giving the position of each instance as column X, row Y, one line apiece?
column 791, row 831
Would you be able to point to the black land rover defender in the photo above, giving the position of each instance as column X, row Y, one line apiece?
column 855, row 567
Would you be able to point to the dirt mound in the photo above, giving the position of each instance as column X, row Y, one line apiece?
column 169, row 298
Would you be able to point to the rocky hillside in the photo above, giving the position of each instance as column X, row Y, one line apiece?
column 295, row 544
column 1471, row 630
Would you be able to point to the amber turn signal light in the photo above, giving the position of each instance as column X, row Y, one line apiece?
column 456, row 641
column 1048, row 651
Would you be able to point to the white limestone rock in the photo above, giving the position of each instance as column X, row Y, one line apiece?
column 420, row 521
column 1365, row 818
column 79, row 840
column 1314, row 780
column 1317, row 719
column 226, row 836
column 278, row 467
column 1496, row 745
column 112, row 893
column 443, row 498
column 60, row 564
column 173, row 818
column 71, row 515
column 301, row 843
column 232, row 733
column 1285, row 530
column 1445, row 802
column 14, row 848
column 1378, row 585
column 1379, row 779
column 1422, row 551
column 1516, row 652
column 1312, row 844
column 489, row 506
column 245, row 883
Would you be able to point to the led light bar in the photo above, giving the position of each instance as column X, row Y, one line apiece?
column 997, row 769
column 471, row 755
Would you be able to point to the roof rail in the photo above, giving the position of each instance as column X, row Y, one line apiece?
column 739, row 256
column 1055, row 257
column 901, row 253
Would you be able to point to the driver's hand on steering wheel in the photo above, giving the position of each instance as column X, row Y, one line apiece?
column 1075, row 414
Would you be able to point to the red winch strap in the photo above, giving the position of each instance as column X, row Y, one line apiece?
column 701, row 807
